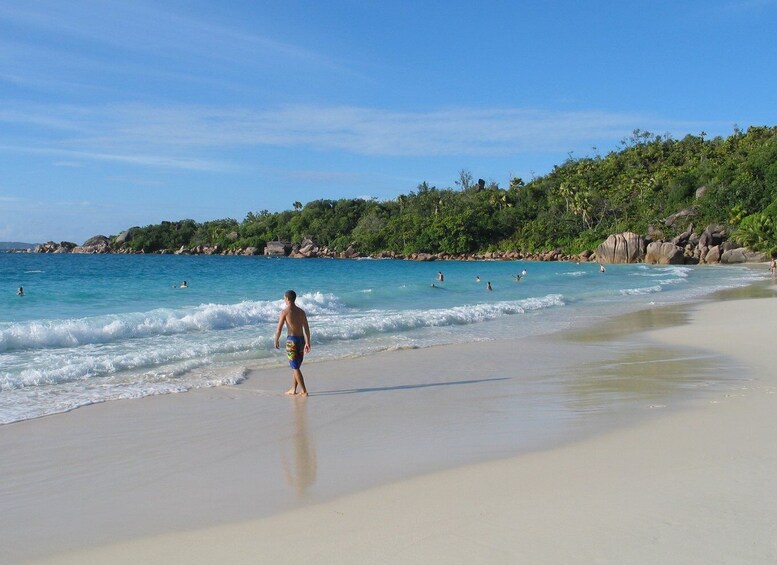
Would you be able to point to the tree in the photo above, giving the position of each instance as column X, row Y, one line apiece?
column 465, row 179
column 757, row 231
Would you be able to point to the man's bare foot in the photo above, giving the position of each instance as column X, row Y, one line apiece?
column 291, row 392
column 302, row 393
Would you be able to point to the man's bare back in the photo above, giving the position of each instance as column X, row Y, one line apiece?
column 295, row 319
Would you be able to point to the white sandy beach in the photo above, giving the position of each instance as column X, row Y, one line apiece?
column 382, row 472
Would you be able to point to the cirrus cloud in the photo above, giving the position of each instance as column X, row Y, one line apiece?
column 178, row 136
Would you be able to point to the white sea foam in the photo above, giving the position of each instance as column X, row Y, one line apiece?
column 170, row 355
column 114, row 328
column 35, row 402
column 673, row 270
column 378, row 321
column 640, row 291
column 672, row 281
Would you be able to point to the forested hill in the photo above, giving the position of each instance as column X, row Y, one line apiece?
column 12, row 245
column 730, row 181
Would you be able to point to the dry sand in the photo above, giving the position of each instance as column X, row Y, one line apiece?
column 630, row 475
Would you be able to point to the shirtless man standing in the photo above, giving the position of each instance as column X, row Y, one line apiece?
column 297, row 340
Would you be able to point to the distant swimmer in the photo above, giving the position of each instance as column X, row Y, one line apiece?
column 523, row 272
column 488, row 286
column 440, row 276
column 477, row 279
column 517, row 278
column 20, row 292
column 772, row 266
column 601, row 268
column 184, row 285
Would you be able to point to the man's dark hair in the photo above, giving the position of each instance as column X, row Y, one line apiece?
column 291, row 295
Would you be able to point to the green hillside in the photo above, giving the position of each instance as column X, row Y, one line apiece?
column 7, row 245
column 730, row 181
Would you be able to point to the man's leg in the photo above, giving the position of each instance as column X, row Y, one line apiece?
column 293, row 390
column 300, row 380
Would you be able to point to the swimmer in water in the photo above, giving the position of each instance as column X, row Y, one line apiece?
column 20, row 292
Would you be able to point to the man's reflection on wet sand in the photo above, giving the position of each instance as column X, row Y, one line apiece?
column 299, row 455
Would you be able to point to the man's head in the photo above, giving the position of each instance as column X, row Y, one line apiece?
column 290, row 295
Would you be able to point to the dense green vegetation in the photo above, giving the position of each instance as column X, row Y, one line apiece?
column 574, row 207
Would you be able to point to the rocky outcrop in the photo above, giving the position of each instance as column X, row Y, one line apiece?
column 123, row 237
column 711, row 246
column 712, row 235
column 684, row 238
column 51, row 247
column 689, row 248
column 277, row 248
column 349, row 253
column 742, row 255
column 712, row 254
column 308, row 249
column 672, row 220
column 96, row 244
column 664, row 253
column 627, row 247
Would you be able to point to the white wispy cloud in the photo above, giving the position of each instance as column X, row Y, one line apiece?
column 140, row 27
column 177, row 136
column 126, row 157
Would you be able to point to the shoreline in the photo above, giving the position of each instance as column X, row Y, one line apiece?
column 315, row 464
column 747, row 258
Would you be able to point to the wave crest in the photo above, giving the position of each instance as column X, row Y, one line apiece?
column 114, row 328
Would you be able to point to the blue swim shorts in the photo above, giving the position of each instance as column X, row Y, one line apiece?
column 295, row 350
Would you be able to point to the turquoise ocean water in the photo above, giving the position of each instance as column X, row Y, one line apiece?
column 92, row 328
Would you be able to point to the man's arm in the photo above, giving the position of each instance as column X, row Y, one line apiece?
column 281, row 321
column 306, row 329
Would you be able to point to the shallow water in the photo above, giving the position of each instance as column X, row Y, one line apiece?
column 92, row 328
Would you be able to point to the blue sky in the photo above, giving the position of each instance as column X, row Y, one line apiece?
column 117, row 113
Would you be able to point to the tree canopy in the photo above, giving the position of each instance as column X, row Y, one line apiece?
column 731, row 181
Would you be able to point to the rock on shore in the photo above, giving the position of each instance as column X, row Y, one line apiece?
column 626, row 247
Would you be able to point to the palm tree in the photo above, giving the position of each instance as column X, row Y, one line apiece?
column 297, row 206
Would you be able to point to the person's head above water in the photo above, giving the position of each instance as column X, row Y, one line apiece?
column 290, row 295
